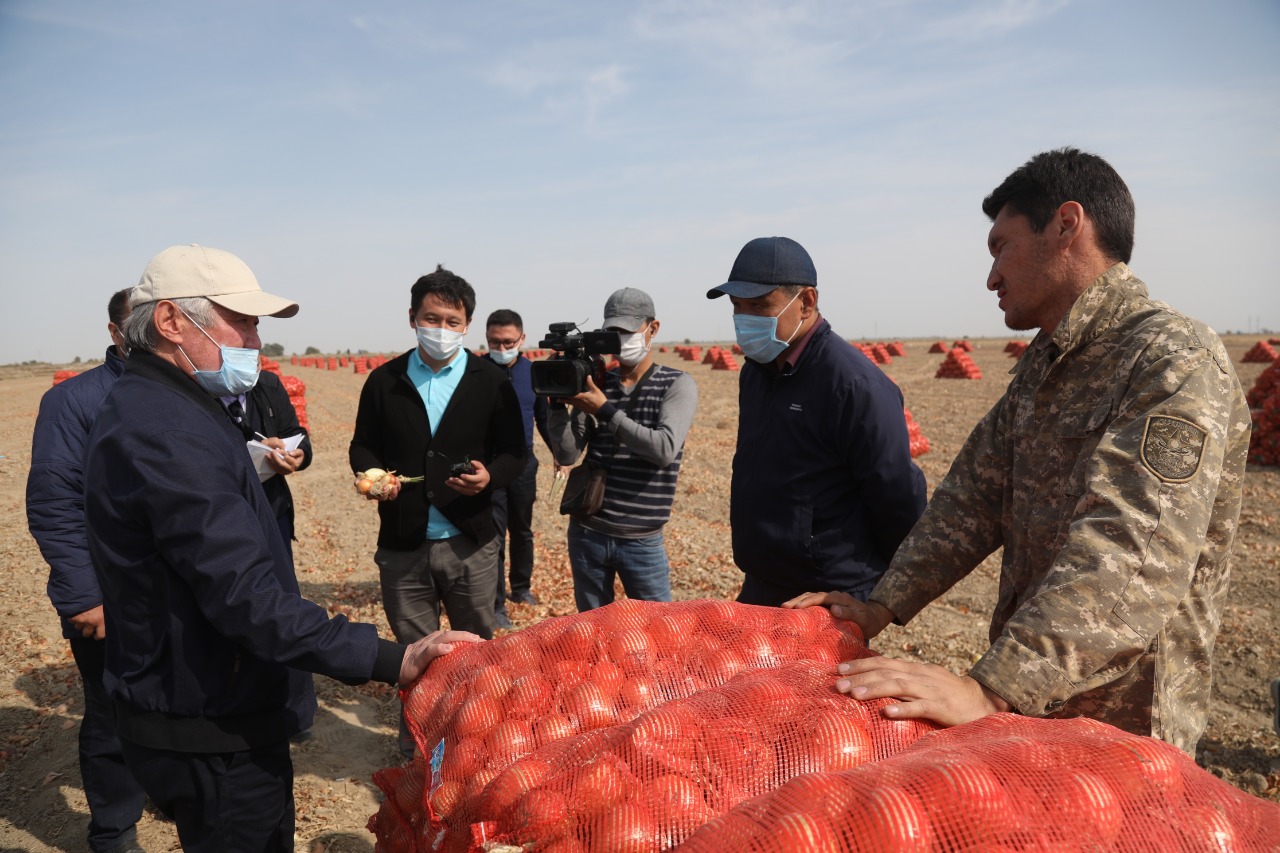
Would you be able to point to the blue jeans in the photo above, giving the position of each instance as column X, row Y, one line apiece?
column 641, row 565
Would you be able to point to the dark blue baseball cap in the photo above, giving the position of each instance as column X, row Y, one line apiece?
column 766, row 263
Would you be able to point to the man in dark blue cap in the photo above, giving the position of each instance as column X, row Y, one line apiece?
column 824, row 489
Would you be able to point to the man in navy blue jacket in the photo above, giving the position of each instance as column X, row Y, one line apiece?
column 210, row 647
column 55, row 517
column 824, row 489
column 513, row 506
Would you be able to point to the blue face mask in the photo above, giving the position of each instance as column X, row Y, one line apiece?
column 238, row 374
column 758, row 336
column 504, row 356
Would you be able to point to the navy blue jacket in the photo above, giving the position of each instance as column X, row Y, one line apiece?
column 209, row 645
column 392, row 432
column 824, row 489
column 533, row 409
column 55, row 486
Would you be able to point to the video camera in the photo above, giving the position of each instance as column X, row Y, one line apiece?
column 579, row 356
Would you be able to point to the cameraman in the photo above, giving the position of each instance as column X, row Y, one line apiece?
column 634, row 427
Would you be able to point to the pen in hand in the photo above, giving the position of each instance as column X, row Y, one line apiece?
column 262, row 438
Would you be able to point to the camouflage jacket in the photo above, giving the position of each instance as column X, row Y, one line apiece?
column 1111, row 473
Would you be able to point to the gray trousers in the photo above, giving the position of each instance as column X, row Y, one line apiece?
column 455, row 573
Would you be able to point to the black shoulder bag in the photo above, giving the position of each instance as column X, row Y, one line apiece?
column 584, row 490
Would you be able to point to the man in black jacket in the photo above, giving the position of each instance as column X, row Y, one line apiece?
column 421, row 414
column 209, row 644
column 266, row 415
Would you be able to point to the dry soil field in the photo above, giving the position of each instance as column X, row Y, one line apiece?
column 42, row 806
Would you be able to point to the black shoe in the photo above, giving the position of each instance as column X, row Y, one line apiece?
column 503, row 620
column 302, row 736
column 1275, row 697
column 126, row 847
column 525, row 597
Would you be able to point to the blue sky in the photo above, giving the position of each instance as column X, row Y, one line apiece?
column 551, row 152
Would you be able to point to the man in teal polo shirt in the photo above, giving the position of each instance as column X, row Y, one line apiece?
column 424, row 414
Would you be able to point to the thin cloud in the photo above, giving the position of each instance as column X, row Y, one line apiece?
column 602, row 86
column 986, row 21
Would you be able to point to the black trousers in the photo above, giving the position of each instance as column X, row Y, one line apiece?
column 115, row 797
column 240, row 801
column 513, row 513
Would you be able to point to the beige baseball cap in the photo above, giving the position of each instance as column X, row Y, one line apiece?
column 221, row 277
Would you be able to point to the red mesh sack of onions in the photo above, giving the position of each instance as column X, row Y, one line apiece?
column 483, row 707
column 1005, row 783
column 648, row 783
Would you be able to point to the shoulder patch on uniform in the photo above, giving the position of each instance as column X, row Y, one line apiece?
column 1172, row 447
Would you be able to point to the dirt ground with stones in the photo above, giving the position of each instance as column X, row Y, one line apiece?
column 42, row 805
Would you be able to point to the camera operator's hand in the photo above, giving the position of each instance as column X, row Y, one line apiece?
column 470, row 484
column 590, row 400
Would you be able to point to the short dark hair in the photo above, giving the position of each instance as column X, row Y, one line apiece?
column 1037, row 188
column 505, row 317
column 118, row 306
column 451, row 289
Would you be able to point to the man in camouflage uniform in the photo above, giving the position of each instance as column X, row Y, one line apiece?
column 1110, row 472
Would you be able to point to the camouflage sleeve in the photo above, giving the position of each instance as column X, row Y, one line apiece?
column 1132, row 547
column 960, row 525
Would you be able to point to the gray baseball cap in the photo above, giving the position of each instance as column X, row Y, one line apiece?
column 628, row 309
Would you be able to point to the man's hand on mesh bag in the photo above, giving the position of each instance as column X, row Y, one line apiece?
column 430, row 647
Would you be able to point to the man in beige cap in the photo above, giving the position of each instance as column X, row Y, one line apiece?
column 209, row 645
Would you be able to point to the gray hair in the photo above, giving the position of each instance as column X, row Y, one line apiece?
column 139, row 329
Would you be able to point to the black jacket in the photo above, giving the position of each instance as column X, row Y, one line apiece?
column 482, row 421
column 270, row 412
column 209, row 645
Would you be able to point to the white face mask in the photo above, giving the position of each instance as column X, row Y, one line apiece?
column 504, row 356
column 634, row 349
column 439, row 343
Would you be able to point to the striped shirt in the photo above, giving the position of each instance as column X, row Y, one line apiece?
column 642, row 449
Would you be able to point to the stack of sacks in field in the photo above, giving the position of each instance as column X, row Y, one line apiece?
column 690, row 353
column 60, row 376
column 1264, row 405
column 1006, row 783
column 725, row 361
column 1260, row 353
column 918, row 443
column 877, row 352
column 938, row 346
column 711, row 355
column 626, row 727
column 896, row 349
column 1016, row 348
column 865, row 349
column 737, row 350
column 963, row 344
column 297, row 391
column 958, row 365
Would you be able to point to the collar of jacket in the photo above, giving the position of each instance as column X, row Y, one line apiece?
column 148, row 365
column 816, row 342
column 114, row 362
column 1095, row 309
